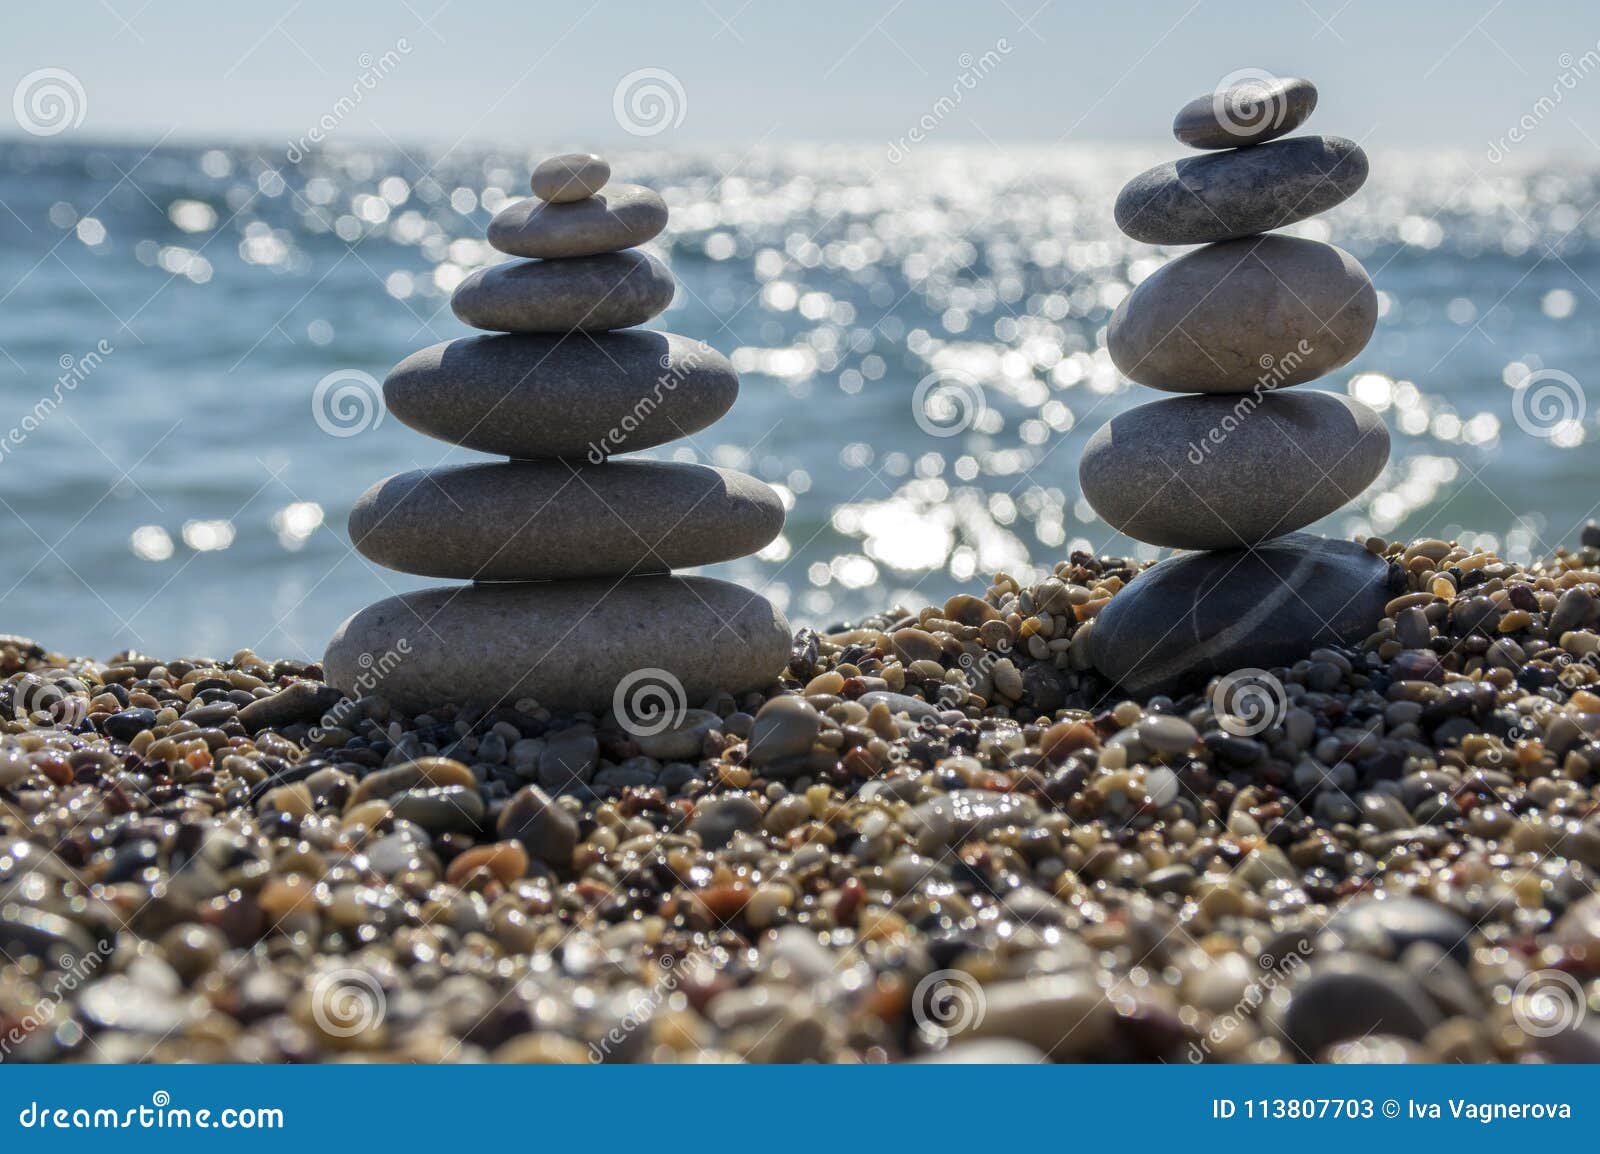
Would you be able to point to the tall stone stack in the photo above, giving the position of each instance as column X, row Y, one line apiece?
column 569, row 551
column 1242, row 460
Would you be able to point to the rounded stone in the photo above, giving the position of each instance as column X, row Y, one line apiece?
column 784, row 727
column 1397, row 923
column 620, row 217
column 550, row 520
column 1231, row 194
column 1253, row 111
column 1260, row 313
column 1200, row 614
column 569, row 176
column 1216, row 472
column 566, row 644
column 615, row 290
column 1350, row 996
column 579, row 396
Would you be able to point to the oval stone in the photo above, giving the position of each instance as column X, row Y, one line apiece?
column 615, row 290
column 1200, row 614
column 569, row 176
column 567, row 644
column 622, row 216
column 1231, row 194
column 580, row 396
column 544, row 520
column 1265, row 311
column 1224, row 471
column 1253, row 111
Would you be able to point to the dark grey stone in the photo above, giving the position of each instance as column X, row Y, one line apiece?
column 299, row 701
column 1231, row 194
column 1253, row 111
column 1200, row 614
column 544, row 520
column 615, row 290
column 1395, row 924
column 622, row 216
column 579, row 396
column 1216, row 472
column 717, row 819
column 547, row 831
column 1350, row 996
column 1262, row 312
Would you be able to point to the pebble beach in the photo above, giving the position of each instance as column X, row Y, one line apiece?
column 939, row 836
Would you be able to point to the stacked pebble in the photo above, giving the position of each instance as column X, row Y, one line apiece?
column 570, row 552
column 1237, row 465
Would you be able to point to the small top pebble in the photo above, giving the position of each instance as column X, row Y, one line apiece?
column 570, row 176
column 1258, row 108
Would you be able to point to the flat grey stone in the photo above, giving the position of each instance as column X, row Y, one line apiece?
column 1253, row 111
column 1200, row 614
column 1214, row 472
column 1261, row 312
column 1230, row 194
column 622, row 216
column 1397, row 923
column 580, row 396
column 615, row 290
column 569, row 176
column 567, row 644
column 543, row 520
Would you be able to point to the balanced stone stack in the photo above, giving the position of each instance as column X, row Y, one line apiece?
column 569, row 552
column 1241, row 461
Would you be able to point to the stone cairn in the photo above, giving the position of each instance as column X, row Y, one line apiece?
column 1241, row 461
column 572, row 603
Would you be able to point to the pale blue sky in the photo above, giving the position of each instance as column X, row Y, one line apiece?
column 508, row 73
